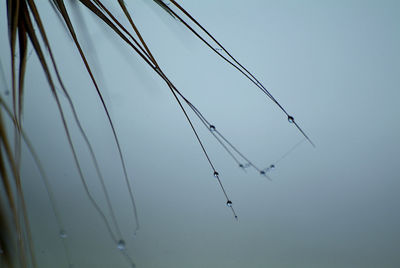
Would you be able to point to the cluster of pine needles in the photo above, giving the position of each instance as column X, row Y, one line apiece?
column 26, row 28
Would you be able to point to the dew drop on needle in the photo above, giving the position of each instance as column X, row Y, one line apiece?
column 63, row 234
column 121, row 245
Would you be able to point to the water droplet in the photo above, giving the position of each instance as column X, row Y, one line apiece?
column 216, row 174
column 121, row 245
column 290, row 119
column 63, row 234
column 241, row 165
column 236, row 217
column 262, row 172
column 212, row 127
column 229, row 203
column 272, row 166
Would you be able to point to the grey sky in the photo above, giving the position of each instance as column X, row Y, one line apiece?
column 334, row 65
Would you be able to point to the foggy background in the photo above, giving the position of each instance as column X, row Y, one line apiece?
column 333, row 65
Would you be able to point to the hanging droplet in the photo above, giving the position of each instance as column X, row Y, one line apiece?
column 216, row 174
column 236, row 217
column 212, row 127
column 272, row 166
column 121, row 245
column 290, row 119
column 244, row 165
column 229, row 203
column 63, row 234
column 262, row 172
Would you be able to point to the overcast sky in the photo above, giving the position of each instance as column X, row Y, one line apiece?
column 333, row 65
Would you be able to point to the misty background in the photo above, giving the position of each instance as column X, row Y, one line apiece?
column 333, row 65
